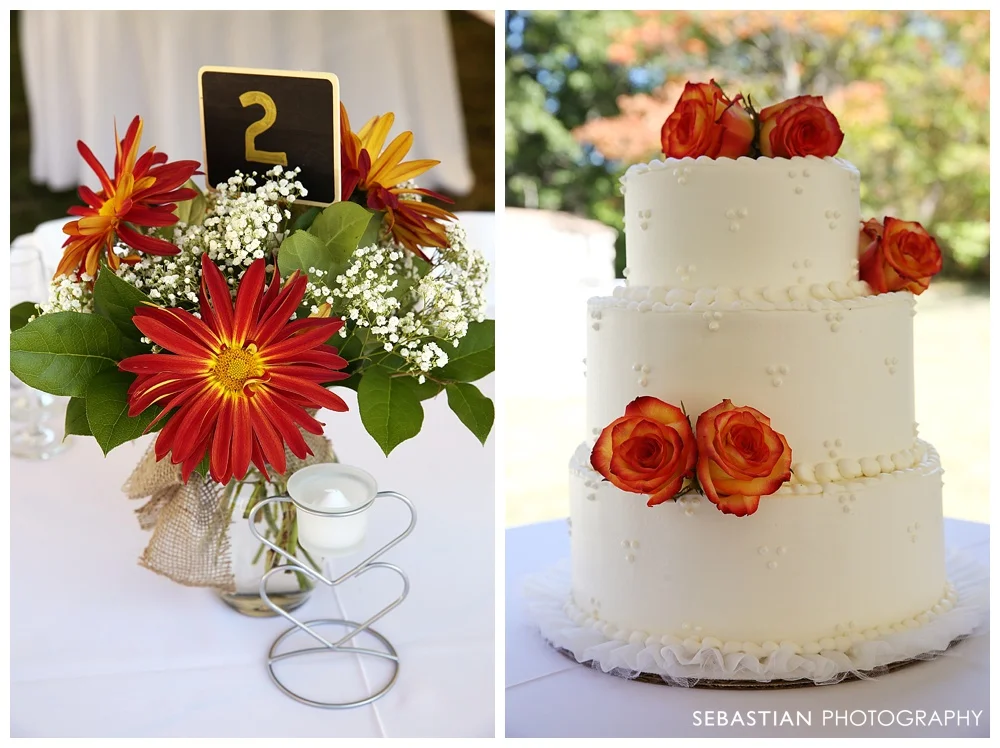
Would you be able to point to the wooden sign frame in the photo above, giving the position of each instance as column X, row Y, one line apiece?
column 263, row 100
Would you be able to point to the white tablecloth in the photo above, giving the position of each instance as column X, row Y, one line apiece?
column 83, row 69
column 549, row 695
column 102, row 647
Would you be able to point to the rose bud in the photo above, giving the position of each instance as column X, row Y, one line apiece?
column 740, row 457
column 650, row 450
column 802, row 126
column 897, row 256
column 705, row 122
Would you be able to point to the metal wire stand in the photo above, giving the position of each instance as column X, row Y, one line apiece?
column 388, row 652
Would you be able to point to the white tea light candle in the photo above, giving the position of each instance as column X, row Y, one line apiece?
column 333, row 500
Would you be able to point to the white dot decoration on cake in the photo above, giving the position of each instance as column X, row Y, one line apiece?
column 798, row 189
column 774, row 370
column 912, row 530
column 890, row 364
column 834, row 318
column 596, row 326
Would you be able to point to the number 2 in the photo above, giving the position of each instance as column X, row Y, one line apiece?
column 262, row 125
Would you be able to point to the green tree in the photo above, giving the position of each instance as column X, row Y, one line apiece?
column 558, row 77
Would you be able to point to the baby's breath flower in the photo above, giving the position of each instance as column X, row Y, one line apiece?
column 409, row 310
column 70, row 293
column 243, row 224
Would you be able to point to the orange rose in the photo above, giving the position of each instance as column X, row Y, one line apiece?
column 706, row 123
column 897, row 256
column 740, row 457
column 802, row 126
column 649, row 450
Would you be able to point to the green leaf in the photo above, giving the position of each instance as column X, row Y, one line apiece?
column 116, row 300
column 59, row 353
column 202, row 468
column 21, row 313
column 340, row 227
column 107, row 410
column 302, row 251
column 390, row 408
column 475, row 357
column 473, row 409
column 428, row 389
column 329, row 243
column 192, row 211
column 370, row 236
column 305, row 220
column 76, row 417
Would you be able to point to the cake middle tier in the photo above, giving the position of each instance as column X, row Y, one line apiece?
column 834, row 376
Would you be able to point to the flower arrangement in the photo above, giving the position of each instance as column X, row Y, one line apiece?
column 894, row 255
column 221, row 319
column 733, row 456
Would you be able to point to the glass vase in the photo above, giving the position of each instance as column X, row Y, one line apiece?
column 250, row 559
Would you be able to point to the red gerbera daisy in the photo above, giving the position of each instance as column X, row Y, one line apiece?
column 144, row 192
column 236, row 382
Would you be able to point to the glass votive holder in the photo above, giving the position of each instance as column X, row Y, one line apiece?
column 332, row 500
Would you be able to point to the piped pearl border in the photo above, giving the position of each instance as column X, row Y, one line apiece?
column 839, row 641
column 815, row 297
column 959, row 613
column 743, row 163
column 846, row 474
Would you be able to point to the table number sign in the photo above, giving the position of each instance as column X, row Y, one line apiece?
column 253, row 120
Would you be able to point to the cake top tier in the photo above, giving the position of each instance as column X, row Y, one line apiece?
column 767, row 222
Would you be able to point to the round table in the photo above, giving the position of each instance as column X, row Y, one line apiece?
column 548, row 695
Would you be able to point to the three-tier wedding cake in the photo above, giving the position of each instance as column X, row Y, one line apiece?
column 753, row 501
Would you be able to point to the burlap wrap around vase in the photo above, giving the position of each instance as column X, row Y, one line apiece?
column 196, row 525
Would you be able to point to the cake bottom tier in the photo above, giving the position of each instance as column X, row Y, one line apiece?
column 816, row 572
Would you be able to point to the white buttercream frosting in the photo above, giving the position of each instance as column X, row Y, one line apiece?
column 687, row 657
column 754, row 223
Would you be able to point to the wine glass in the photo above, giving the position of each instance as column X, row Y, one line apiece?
column 36, row 418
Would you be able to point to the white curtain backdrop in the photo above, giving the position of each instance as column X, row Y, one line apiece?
column 84, row 69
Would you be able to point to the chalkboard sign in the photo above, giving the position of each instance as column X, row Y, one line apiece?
column 253, row 120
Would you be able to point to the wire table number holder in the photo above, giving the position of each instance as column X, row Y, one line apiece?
column 331, row 500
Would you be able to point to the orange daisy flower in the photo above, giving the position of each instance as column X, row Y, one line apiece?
column 144, row 192
column 238, row 380
column 413, row 223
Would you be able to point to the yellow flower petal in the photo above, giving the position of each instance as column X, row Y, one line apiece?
column 409, row 170
column 390, row 158
column 375, row 131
